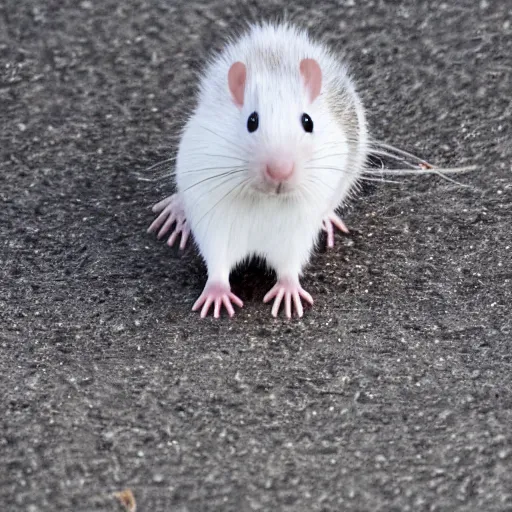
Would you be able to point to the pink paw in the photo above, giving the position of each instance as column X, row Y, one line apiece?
column 289, row 290
column 330, row 221
column 217, row 294
column 171, row 212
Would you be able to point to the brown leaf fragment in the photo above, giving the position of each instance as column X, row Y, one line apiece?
column 127, row 499
column 426, row 165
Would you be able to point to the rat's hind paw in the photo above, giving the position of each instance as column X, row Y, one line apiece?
column 329, row 222
column 217, row 294
column 289, row 290
column 171, row 212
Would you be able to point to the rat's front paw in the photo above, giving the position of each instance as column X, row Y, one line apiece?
column 217, row 294
column 171, row 212
column 288, row 289
column 329, row 223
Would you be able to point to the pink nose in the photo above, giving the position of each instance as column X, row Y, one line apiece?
column 280, row 170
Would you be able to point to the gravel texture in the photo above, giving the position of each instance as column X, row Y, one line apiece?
column 392, row 394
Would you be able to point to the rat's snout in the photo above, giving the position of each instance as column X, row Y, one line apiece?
column 279, row 170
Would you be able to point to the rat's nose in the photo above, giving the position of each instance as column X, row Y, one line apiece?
column 280, row 170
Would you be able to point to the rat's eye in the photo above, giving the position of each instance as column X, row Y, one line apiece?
column 307, row 123
column 252, row 122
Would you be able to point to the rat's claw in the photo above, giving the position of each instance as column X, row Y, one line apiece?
column 206, row 307
column 160, row 219
column 330, row 233
column 185, row 233
column 328, row 222
column 292, row 292
column 158, row 207
column 298, row 304
column 181, row 227
column 171, row 212
column 167, row 224
column 228, row 306
column 219, row 295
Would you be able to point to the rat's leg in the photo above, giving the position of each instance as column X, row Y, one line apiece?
column 221, row 250
column 329, row 222
column 217, row 292
column 171, row 212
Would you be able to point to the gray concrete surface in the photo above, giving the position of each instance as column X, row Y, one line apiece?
column 392, row 394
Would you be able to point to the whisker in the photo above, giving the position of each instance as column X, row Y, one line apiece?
column 221, row 199
column 389, row 147
column 442, row 174
column 451, row 180
column 313, row 191
column 377, row 153
column 240, row 151
column 375, row 150
column 359, row 177
column 317, row 179
column 321, row 157
column 223, row 156
column 439, row 171
column 160, row 164
column 216, row 176
column 215, row 187
column 435, row 170
column 140, row 176
column 224, row 138
column 380, row 180
column 148, row 180
column 215, row 168
column 328, row 168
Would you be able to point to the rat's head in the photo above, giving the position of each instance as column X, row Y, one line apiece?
column 280, row 121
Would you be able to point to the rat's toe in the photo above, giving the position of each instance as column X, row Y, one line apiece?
column 298, row 304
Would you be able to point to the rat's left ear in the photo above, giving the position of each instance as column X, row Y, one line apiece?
column 312, row 76
column 236, row 81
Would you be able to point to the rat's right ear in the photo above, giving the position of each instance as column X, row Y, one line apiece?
column 236, row 82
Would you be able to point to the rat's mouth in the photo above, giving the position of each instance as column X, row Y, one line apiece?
column 281, row 189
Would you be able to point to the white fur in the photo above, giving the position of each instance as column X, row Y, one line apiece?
column 230, row 217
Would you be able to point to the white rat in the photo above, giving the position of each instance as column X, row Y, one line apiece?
column 274, row 146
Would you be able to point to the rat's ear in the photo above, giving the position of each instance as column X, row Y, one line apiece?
column 236, row 82
column 312, row 76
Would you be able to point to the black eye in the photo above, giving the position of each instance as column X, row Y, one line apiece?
column 307, row 123
column 252, row 122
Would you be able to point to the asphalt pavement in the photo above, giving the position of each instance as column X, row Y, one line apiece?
column 393, row 393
